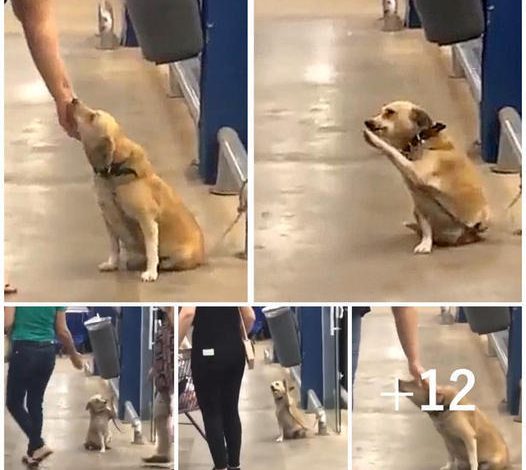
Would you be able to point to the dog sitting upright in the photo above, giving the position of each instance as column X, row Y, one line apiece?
column 143, row 215
column 99, row 435
column 291, row 421
column 450, row 207
column 472, row 441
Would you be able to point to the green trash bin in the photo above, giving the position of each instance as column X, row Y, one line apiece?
column 284, row 335
column 451, row 21
column 167, row 30
column 485, row 320
column 104, row 345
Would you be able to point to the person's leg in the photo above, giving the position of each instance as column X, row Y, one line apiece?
column 162, row 421
column 44, row 365
column 208, row 393
column 17, row 379
column 162, row 413
column 231, row 385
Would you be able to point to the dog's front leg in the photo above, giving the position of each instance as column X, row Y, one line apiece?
column 426, row 240
column 471, row 448
column 281, row 435
column 404, row 166
column 150, row 231
column 102, row 440
column 112, row 263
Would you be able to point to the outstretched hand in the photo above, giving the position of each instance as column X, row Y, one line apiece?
column 65, row 117
column 416, row 369
column 77, row 361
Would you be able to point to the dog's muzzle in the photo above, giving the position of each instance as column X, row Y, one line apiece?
column 371, row 125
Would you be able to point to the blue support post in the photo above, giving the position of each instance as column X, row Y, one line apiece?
column 310, row 325
column 501, row 70
column 412, row 20
column 223, row 78
column 130, row 378
column 128, row 37
column 514, row 361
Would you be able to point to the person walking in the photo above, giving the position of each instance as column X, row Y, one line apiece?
column 218, row 364
column 32, row 331
column 163, row 372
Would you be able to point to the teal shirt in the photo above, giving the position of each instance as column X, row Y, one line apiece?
column 35, row 323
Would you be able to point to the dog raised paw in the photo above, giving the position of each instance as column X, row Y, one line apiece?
column 109, row 265
column 149, row 276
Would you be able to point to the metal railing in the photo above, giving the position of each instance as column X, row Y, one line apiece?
column 184, row 79
column 467, row 63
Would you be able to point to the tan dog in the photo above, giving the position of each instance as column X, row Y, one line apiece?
column 450, row 207
column 291, row 421
column 99, row 435
column 143, row 215
column 472, row 441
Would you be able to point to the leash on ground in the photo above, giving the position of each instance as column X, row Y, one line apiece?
column 241, row 210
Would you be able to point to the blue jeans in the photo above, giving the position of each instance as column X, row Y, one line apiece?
column 30, row 369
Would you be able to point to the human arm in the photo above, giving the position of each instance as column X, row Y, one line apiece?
column 186, row 318
column 406, row 320
column 64, row 335
column 9, row 319
column 41, row 33
column 248, row 316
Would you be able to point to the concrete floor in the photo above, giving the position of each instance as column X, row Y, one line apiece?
column 328, row 208
column 260, row 451
column 383, row 438
column 65, row 427
column 54, row 233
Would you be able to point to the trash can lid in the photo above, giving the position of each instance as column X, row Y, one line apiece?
column 96, row 322
column 271, row 312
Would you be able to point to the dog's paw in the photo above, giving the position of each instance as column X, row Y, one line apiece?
column 149, row 276
column 449, row 466
column 109, row 265
column 371, row 138
column 423, row 248
column 279, row 439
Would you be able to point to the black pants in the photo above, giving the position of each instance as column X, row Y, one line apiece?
column 217, row 383
column 30, row 369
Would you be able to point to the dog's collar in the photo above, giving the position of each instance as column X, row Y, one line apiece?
column 422, row 136
column 114, row 170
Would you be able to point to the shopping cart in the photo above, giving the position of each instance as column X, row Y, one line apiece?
column 187, row 397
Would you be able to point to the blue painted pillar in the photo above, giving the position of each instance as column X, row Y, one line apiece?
column 223, row 78
column 501, row 69
column 130, row 340
column 310, row 325
column 514, row 361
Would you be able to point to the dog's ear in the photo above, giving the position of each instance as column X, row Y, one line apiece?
column 89, row 405
column 421, row 118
